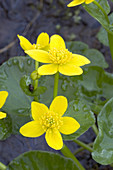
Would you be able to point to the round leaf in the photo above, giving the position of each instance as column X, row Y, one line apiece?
column 103, row 145
column 38, row 160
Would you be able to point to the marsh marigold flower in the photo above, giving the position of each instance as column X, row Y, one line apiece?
column 3, row 97
column 50, row 122
column 59, row 59
column 78, row 2
column 41, row 43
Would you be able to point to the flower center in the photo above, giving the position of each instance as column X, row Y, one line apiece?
column 61, row 56
column 50, row 120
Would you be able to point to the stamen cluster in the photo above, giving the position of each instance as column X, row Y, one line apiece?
column 61, row 56
column 50, row 120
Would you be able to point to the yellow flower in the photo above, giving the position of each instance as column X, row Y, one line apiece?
column 51, row 122
column 60, row 59
column 41, row 43
column 78, row 2
column 3, row 97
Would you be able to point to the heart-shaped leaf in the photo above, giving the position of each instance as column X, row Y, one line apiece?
column 103, row 145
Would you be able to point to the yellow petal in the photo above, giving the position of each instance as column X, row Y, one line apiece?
column 59, row 105
column 70, row 70
column 38, row 109
column 42, row 40
column 2, row 115
column 48, row 69
column 70, row 125
column 75, row 3
column 25, row 44
column 39, row 55
column 56, row 41
column 54, row 139
column 79, row 60
column 32, row 129
column 88, row 1
column 3, row 97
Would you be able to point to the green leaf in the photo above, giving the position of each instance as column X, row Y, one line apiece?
column 15, row 78
column 39, row 160
column 5, row 128
column 25, row 82
column 102, row 34
column 88, row 88
column 97, row 87
column 97, row 13
column 79, row 110
column 96, row 57
column 105, row 5
column 77, row 47
column 103, row 145
column 18, row 103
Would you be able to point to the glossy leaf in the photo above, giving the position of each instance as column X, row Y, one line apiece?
column 18, row 103
column 102, row 34
column 96, row 57
column 79, row 110
column 38, row 160
column 5, row 128
column 97, row 13
column 103, row 145
column 105, row 5
column 88, row 87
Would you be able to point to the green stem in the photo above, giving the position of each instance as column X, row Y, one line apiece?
column 2, row 166
column 85, row 146
column 56, row 85
column 94, row 127
column 110, row 38
column 36, row 81
column 102, row 9
column 67, row 153
column 81, row 149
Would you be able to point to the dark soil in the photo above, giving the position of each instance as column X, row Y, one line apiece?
column 29, row 18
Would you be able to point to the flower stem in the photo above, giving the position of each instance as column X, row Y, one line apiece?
column 67, row 153
column 94, row 127
column 81, row 149
column 36, row 81
column 102, row 9
column 2, row 166
column 56, row 85
column 85, row 146
column 110, row 38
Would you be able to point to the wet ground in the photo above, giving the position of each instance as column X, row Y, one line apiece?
column 29, row 18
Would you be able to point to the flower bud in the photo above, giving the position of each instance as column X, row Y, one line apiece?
column 35, row 75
